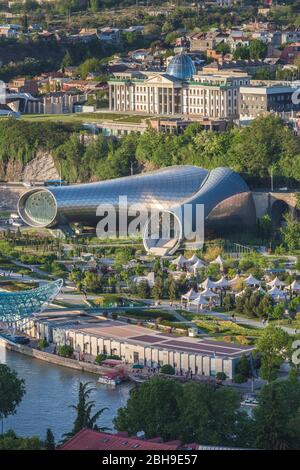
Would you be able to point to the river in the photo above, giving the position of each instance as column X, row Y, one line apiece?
column 50, row 390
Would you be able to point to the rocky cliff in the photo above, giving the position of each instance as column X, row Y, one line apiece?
column 39, row 169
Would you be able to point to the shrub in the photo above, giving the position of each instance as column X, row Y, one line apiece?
column 243, row 340
column 221, row 376
column 227, row 339
column 65, row 351
column 100, row 358
column 167, row 369
column 239, row 379
column 42, row 344
column 243, row 367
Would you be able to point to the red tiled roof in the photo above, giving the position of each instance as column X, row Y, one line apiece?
column 86, row 439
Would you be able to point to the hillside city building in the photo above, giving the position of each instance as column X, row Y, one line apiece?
column 211, row 94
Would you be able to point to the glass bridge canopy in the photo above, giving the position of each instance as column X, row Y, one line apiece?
column 15, row 306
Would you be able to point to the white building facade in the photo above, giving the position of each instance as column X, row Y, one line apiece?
column 203, row 95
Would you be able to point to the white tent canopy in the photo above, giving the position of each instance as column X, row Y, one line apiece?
column 234, row 280
column 180, row 261
column 209, row 294
column 277, row 293
column 252, row 281
column 190, row 295
column 208, row 284
column 294, row 287
column 222, row 283
column 260, row 290
column 219, row 260
column 193, row 259
column 276, row 282
column 200, row 300
column 198, row 265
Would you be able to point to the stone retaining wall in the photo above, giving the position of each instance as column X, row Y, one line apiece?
column 53, row 359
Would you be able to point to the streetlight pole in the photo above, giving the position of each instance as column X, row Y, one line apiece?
column 272, row 180
column 60, row 173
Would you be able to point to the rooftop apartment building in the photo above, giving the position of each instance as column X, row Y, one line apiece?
column 23, row 85
column 87, row 439
column 259, row 100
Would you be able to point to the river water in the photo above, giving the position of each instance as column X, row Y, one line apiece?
column 50, row 390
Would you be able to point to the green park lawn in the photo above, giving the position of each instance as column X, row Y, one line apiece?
column 85, row 117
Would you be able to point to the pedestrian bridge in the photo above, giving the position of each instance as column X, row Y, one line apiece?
column 15, row 306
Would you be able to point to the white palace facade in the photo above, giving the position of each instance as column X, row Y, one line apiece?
column 187, row 93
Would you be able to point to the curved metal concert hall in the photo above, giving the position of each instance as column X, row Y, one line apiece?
column 226, row 199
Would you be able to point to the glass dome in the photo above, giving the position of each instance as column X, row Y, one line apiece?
column 181, row 67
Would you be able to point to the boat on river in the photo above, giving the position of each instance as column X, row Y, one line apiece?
column 108, row 379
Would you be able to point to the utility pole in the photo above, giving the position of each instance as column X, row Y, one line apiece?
column 272, row 180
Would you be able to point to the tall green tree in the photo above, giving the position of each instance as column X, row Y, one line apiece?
column 158, row 288
column 172, row 289
column 273, row 346
column 277, row 418
column 50, row 440
column 152, row 408
column 291, row 232
column 12, row 390
column 84, row 408
column 190, row 412
column 258, row 49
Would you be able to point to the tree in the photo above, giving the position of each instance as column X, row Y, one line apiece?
column 243, row 367
column 91, row 282
column 277, row 417
column 89, row 65
column 143, row 290
column 265, row 226
column 94, row 5
column 50, row 441
column 158, row 288
column 12, row 390
column 190, row 412
column 172, row 289
column 278, row 311
column 10, row 441
column 212, row 415
column 67, row 60
column 258, row 49
column 241, row 52
column 152, row 408
column 65, row 351
column 265, row 142
column 291, row 232
column 228, row 302
column 273, row 348
column 84, row 408
column 221, row 376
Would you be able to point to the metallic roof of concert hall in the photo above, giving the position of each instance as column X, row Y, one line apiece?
column 224, row 195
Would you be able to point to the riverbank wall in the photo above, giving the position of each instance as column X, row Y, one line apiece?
column 53, row 358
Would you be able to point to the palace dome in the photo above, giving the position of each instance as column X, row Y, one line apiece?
column 181, row 67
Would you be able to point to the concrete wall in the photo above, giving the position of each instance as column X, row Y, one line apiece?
column 264, row 201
